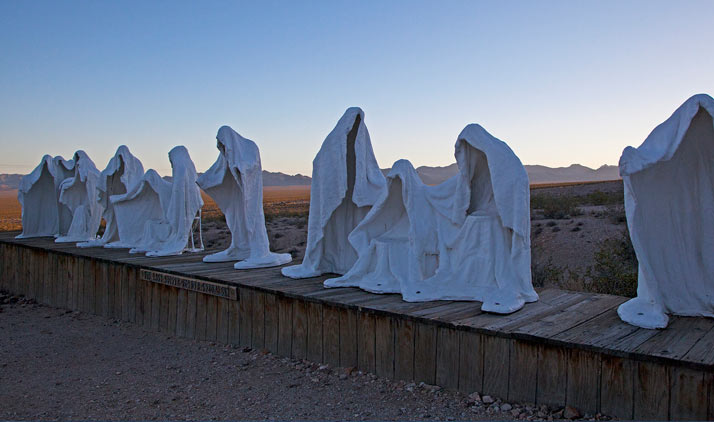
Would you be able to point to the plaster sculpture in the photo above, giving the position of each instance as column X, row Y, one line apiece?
column 169, row 234
column 37, row 194
column 123, row 172
column 346, row 182
column 79, row 194
column 235, row 182
column 147, row 201
column 669, row 197
column 465, row 239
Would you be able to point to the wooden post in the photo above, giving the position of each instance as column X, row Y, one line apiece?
column 447, row 358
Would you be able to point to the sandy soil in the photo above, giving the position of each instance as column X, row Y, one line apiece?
column 57, row 364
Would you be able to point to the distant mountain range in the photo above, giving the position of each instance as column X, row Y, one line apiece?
column 429, row 175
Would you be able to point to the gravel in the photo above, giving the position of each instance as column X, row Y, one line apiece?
column 57, row 364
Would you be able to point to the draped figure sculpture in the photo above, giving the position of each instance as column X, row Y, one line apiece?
column 467, row 238
column 38, row 196
column 669, row 197
column 123, row 172
column 79, row 194
column 346, row 182
column 235, row 182
column 165, row 211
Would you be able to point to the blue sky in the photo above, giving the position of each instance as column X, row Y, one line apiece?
column 560, row 82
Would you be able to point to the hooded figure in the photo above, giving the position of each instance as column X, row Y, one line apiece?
column 79, row 194
column 147, row 201
column 38, row 197
column 465, row 239
column 169, row 236
column 123, row 172
column 235, row 182
column 346, row 182
column 64, row 169
column 669, row 198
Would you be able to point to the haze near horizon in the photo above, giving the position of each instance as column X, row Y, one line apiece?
column 560, row 82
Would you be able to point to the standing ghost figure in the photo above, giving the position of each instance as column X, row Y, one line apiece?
column 64, row 169
column 147, row 201
column 79, row 194
column 465, row 239
column 122, row 173
column 38, row 197
column 169, row 236
column 346, row 182
column 669, row 198
column 235, row 182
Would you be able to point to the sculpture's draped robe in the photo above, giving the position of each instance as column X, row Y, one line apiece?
column 346, row 182
column 235, row 182
column 38, row 196
column 465, row 239
column 669, row 198
column 121, row 175
column 79, row 194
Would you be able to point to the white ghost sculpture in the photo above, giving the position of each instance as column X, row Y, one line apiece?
column 147, row 201
column 346, row 182
column 121, row 175
column 64, row 169
column 169, row 235
column 467, row 238
column 79, row 194
column 669, row 198
column 38, row 196
column 235, row 182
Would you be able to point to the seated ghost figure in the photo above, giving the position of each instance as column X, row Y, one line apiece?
column 465, row 239
column 346, row 182
column 122, row 173
column 169, row 235
column 147, row 201
column 669, row 197
column 79, row 194
column 38, row 197
column 235, row 182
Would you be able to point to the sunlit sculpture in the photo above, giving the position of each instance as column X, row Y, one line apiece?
column 235, row 182
column 165, row 211
column 121, row 175
column 346, row 182
column 38, row 196
column 669, row 198
column 465, row 239
column 79, row 194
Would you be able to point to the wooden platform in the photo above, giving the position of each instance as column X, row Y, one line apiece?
column 567, row 348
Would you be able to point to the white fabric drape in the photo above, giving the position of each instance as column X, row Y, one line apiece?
column 465, row 239
column 235, row 182
column 669, row 198
column 79, row 194
column 38, row 197
column 346, row 182
column 121, row 175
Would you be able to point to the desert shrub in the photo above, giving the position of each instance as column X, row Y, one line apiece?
column 615, row 268
column 556, row 207
column 602, row 198
column 546, row 272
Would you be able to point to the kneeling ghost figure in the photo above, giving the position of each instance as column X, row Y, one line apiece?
column 467, row 238
column 235, row 182
column 346, row 182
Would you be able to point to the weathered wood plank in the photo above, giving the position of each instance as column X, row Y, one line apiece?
column 678, row 339
column 314, row 332
column 191, row 305
column 211, row 317
column 132, row 276
column 172, row 297
column 285, row 326
column 181, row 306
column 271, row 323
column 651, row 392
column 404, row 350
column 496, row 356
column 366, row 360
column 164, row 312
column 116, row 280
column 246, row 316
column 331, row 335
column 201, row 316
column 523, row 371
column 425, row 353
column 102, row 290
column 583, row 372
column 617, row 378
column 299, row 338
column 258, row 323
column 234, row 323
column 384, row 346
column 688, row 395
column 348, row 338
column 88, row 282
column 155, row 306
column 447, row 358
column 552, row 373
column 222, row 320
column 470, row 362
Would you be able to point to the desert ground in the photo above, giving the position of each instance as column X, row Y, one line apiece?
column 578, row 232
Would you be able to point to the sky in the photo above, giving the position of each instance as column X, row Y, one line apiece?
column 561, row 82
